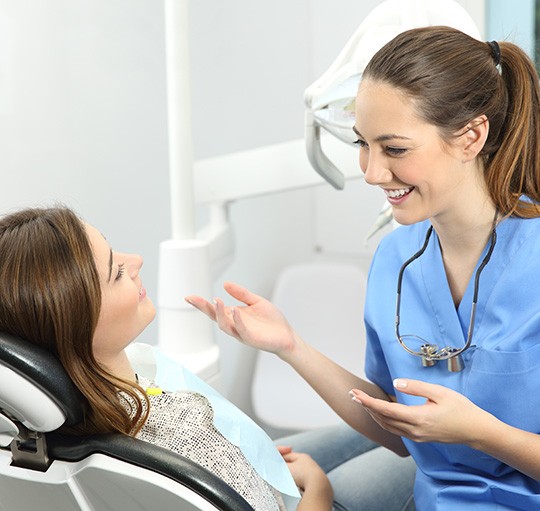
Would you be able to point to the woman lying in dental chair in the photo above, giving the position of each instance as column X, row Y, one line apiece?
column 62, row 287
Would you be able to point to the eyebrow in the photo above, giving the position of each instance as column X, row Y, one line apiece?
column 383, row 138
column 110, row 265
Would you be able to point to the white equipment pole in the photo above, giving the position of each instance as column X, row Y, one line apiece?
column 185, row 334
column 179, row 119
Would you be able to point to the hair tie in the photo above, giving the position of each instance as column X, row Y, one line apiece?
column 495, row 51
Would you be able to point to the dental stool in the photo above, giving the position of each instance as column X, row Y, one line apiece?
column 46, row 471
column 324, row 303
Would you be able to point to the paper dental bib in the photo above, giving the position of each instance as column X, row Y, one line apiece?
column 232, row 423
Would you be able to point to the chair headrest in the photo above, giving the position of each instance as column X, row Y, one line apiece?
column 35, row 388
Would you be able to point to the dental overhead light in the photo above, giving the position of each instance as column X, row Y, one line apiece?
column 330, row 99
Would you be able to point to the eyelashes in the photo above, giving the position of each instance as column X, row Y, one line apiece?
column 121, row 271
column 395, row 151
column 392, row 151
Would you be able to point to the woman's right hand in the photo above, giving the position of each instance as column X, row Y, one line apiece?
column 258, row 323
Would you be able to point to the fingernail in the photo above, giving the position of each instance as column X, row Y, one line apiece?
column 400, row 383
column 188, row 301
column 353, row 397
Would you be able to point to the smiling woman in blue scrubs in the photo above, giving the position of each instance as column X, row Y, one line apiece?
column 449, row 128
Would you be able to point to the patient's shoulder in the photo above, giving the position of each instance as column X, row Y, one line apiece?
column 173, row 408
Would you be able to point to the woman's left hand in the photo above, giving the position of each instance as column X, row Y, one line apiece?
column 317, row 493
column 446, row 416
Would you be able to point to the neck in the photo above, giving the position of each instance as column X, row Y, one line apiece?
column 468, row 226
column 119, row 366
column 461, row 245
column 466, row 219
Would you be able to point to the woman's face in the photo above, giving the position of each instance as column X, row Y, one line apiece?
column 421, row 175
column 125, row 308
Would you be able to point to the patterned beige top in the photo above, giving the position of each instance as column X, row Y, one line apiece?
column 184, row 423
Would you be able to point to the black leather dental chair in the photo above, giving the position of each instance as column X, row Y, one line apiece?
column 42, row 470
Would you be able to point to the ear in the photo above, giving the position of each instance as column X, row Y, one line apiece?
column 473, row 139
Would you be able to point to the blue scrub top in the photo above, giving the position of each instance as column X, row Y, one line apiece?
column 502, row 368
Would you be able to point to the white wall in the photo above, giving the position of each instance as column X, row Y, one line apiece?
column 82, row 115
column 83, row 121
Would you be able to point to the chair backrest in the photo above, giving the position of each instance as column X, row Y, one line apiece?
column 31, row 375
column 42, row 469
column 324, row 302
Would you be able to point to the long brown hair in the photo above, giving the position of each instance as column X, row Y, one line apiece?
column 452, row 79
column 50, row 295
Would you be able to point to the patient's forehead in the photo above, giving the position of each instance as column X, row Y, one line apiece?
column 101, row 250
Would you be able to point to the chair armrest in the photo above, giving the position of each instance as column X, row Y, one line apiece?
column 146, row 455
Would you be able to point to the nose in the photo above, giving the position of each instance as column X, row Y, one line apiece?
column 374, row 168
column 133, row 263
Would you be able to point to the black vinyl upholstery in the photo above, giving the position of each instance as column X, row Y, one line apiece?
column 146, row 455
column 45, row 372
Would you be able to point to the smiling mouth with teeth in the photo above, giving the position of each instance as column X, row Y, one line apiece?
column 397, row 194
